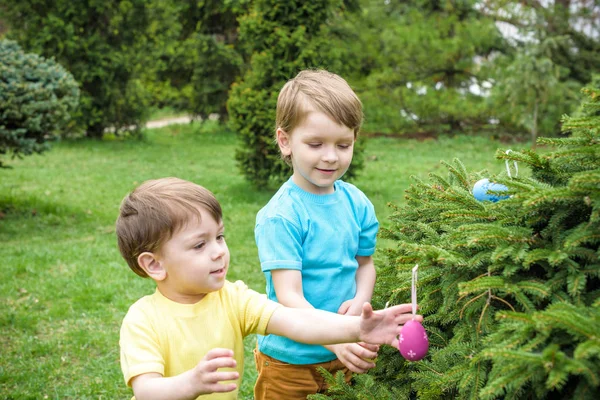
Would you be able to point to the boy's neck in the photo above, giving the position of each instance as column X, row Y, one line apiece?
column 316, row 190
column 181, row 298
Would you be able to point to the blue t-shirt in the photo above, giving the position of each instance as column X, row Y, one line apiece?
column 319, row 235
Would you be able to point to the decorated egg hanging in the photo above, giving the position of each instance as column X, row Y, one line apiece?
column 481, row 188
column 413, row 343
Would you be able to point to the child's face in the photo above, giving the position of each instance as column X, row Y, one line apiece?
column 195, row 259
column 321, row 152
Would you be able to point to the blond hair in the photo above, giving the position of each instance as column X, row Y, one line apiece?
column 154, row 211
column 318, row 90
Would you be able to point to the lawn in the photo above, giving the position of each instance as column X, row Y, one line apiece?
column 64, row 288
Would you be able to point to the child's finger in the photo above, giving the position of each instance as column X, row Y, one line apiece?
column 358, row 365
column 401, row 309
column 404, row 318
column 367, row 310
column 367, row 355
column 223, row 387
column 223, row 376
column 369, row 346
column 220, row 362
column 218, row 352
column 344, row 307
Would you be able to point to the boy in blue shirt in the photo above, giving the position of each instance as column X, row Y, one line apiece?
column 316, row 236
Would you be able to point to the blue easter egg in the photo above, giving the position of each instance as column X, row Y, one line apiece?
column 481, row 188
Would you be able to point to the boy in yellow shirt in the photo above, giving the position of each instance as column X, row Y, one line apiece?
column 186, row 339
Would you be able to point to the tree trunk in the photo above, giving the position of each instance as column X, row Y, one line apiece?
column 534, row 132
column 95, row 131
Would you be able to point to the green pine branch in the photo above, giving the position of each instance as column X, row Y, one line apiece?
column 510, row 291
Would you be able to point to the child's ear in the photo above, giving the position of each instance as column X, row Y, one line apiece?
column 152, row 265
column 283, row 140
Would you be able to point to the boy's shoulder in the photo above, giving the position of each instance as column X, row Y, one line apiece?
column 233, row 288
column 353, row 195
column 143, row 302
column 155, row 306
column 283, row 202
column 141, row 309
column 348, row 187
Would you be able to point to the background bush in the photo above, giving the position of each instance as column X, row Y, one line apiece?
column 128, row 54
column 37, row 96
column 417, row 79
column 102, row 43
column 283, row 40
column 195, row 55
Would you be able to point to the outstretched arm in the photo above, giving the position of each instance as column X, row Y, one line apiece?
column 321, row 327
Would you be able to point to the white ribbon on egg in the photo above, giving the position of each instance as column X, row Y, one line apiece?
column 508, row 166
column 413, row 290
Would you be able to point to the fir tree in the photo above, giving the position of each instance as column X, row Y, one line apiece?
column 510, row 290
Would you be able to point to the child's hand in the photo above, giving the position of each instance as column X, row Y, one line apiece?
column 345, row 307
column 383, row 326
column 207, row 377
column 356, row 356
column 350, row 307
column 204, row 378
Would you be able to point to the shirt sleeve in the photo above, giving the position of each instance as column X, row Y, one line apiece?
column 279, row 243
column 140, row 350
column 255, row 309
column 368, row 231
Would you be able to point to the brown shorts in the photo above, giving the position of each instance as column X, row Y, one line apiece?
column 278, row 380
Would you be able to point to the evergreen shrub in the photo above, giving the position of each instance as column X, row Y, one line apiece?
column 37, row 96
column 195, row 55
column 283, row 38
column 218, row 66
column 104, row 44
column 510, row 291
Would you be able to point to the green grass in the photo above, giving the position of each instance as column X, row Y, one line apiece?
column 64, row 288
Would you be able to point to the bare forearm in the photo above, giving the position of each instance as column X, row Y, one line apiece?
column 296, row 299
column 206, row 377
column 171, row 388
column 293, row 300
column 365, row 281
column 314, row 326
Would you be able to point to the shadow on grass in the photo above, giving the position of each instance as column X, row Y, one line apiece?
column 40, row 210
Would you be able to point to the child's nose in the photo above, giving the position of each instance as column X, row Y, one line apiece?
column 219, row 250
column 330, row 154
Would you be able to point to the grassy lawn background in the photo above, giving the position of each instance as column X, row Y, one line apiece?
column 64, row 288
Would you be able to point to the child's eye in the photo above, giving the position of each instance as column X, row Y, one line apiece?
column 343, row 146
column 199, row 246
column 221, row 238
column 314, row 145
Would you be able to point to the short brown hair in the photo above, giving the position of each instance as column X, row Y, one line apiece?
column 154, row 211
column 321, row 90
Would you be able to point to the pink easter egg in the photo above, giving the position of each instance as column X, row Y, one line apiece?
column 413, row 342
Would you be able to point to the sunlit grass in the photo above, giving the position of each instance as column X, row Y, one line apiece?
column 64, row 288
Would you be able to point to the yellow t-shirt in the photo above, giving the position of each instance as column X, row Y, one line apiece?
column 159, row 335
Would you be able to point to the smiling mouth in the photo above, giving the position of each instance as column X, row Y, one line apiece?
column 326, row 171
column 218, row 271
